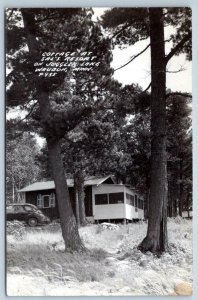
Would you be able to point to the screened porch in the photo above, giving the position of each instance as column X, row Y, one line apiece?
column 116, row 202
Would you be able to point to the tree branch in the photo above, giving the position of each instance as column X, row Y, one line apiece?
column 178, row 94
column 175, row 49
column 133, row 57
column 119, row 31
column 176, row 71
column 148, row 87
column 30, row 112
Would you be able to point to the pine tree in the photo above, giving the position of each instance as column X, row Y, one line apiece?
column 129, row 26
column 40, row 28
column 55, row 108
column 179, row 148
column 22, row 166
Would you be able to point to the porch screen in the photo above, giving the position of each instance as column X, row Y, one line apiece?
column 129, row 199
column 101, row 199
column 136, row 201
column 140, row 204
column 116, row 198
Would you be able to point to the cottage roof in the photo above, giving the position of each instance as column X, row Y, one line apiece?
column 49, row 185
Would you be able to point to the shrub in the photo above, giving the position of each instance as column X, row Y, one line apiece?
column 16, row 229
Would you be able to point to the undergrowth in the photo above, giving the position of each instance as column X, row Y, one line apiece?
column 43, row 254
column 111, row 261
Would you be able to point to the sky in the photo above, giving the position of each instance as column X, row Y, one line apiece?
column 138, row 71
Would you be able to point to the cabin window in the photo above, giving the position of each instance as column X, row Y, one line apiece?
column 129, row 199
column 140, row 203
column 136, row 201
column 112, row 198
column 132, row 199
column 101, row 199
column 46, row 201
column 115, row 198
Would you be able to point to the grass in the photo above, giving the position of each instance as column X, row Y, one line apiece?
column 43, row 253
column 111, row 265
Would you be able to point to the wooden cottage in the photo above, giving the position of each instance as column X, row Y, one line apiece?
column 104, row 199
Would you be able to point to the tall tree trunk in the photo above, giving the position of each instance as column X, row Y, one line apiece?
column 181, row 187
column 80, row 196
column 67, row 218
column 68, row 223
column 188, row 202
column 170, row 202
column 175, row 188
column 156, row 239
column 76, row 200
column 147, row 204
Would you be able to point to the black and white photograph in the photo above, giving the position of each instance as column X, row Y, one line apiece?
column 99, row 151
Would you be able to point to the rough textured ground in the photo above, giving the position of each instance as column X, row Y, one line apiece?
column 37, row 264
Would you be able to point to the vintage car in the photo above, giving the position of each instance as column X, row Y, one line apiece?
column 26, row 212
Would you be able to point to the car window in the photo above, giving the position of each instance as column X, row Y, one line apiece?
column 29, row 208
column 18, row 209
column 9, row 209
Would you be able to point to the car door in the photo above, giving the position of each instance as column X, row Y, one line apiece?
column 19, row 213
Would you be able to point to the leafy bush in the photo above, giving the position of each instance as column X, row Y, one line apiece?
column 16, row 229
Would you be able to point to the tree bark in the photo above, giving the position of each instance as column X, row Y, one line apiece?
column 147, row 204
column 156, row 238
column 170, row 202
column 79, row 182
column 175, row 188
column 81, row 197
column 68, row 223
column 181, row 187
column 76, row 200
column 188, row 202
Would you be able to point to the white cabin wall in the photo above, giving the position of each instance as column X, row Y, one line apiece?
column 128, row 212
column 128, row 208
column 109, row 211
column 131, row 211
